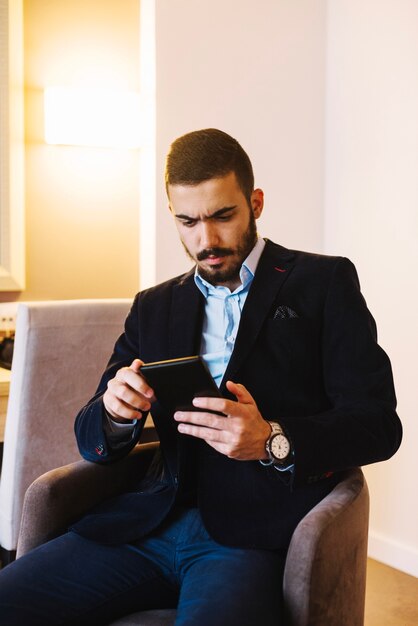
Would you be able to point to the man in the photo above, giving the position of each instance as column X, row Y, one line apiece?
column 307, row 393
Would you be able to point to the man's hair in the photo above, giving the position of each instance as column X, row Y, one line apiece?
column 209, row 153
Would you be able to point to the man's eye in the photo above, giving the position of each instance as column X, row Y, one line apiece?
column 223, row 218
column 188, row 223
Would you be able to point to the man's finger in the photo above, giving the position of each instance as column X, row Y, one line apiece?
column 240, row 392
column 201, row 418
column 136, row 365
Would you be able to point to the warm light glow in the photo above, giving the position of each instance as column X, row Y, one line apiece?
column 92, row 117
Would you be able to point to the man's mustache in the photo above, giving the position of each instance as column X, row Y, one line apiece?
column 204, row 254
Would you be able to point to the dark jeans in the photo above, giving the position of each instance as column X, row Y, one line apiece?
column 72, row 580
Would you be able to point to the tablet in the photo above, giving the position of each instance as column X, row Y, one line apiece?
column 177, row 381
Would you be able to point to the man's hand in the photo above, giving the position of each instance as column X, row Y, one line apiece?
column 241, row 435
column 128, row 394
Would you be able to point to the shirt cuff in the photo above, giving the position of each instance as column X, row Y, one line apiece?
column 117, row 434
column 286, row 468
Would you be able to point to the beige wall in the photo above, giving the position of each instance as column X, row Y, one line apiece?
column 255, row 70
column 371, row 215
column 82, row 204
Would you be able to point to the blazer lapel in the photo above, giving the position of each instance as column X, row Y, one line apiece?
column 274, row 267
column 186, row 318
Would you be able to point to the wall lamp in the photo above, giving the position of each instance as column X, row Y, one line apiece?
column 91, row 117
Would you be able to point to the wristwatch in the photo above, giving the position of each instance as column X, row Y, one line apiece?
column 278, row 447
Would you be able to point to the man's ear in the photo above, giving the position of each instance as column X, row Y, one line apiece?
column 257, row 202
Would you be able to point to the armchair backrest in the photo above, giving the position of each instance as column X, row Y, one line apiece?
column 61, row 349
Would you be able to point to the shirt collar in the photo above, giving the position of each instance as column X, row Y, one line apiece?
column 246, row 273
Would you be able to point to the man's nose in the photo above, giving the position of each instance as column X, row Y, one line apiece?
column 208, row 235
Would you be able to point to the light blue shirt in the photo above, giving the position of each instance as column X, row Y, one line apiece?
column 222, row 314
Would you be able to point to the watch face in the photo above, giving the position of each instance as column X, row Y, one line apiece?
column 280, row 447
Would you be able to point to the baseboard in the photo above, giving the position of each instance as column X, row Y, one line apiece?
column 393, row 553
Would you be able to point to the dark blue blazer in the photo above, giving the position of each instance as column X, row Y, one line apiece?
column 307, row 352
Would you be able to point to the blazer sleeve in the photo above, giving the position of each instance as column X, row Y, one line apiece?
column 362, row 425
column 89, row 424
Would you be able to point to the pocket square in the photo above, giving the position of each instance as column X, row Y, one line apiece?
column 284, row 312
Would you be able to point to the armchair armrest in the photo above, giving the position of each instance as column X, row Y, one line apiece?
column 59, row 497
column 325, row 573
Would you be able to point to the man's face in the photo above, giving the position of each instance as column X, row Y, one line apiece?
column 216, row 226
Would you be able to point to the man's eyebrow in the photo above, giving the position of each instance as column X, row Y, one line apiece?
column 218, row 213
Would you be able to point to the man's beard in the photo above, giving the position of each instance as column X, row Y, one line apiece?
column 219, row 276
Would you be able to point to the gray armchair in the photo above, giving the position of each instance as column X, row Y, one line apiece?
column 325, row 574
